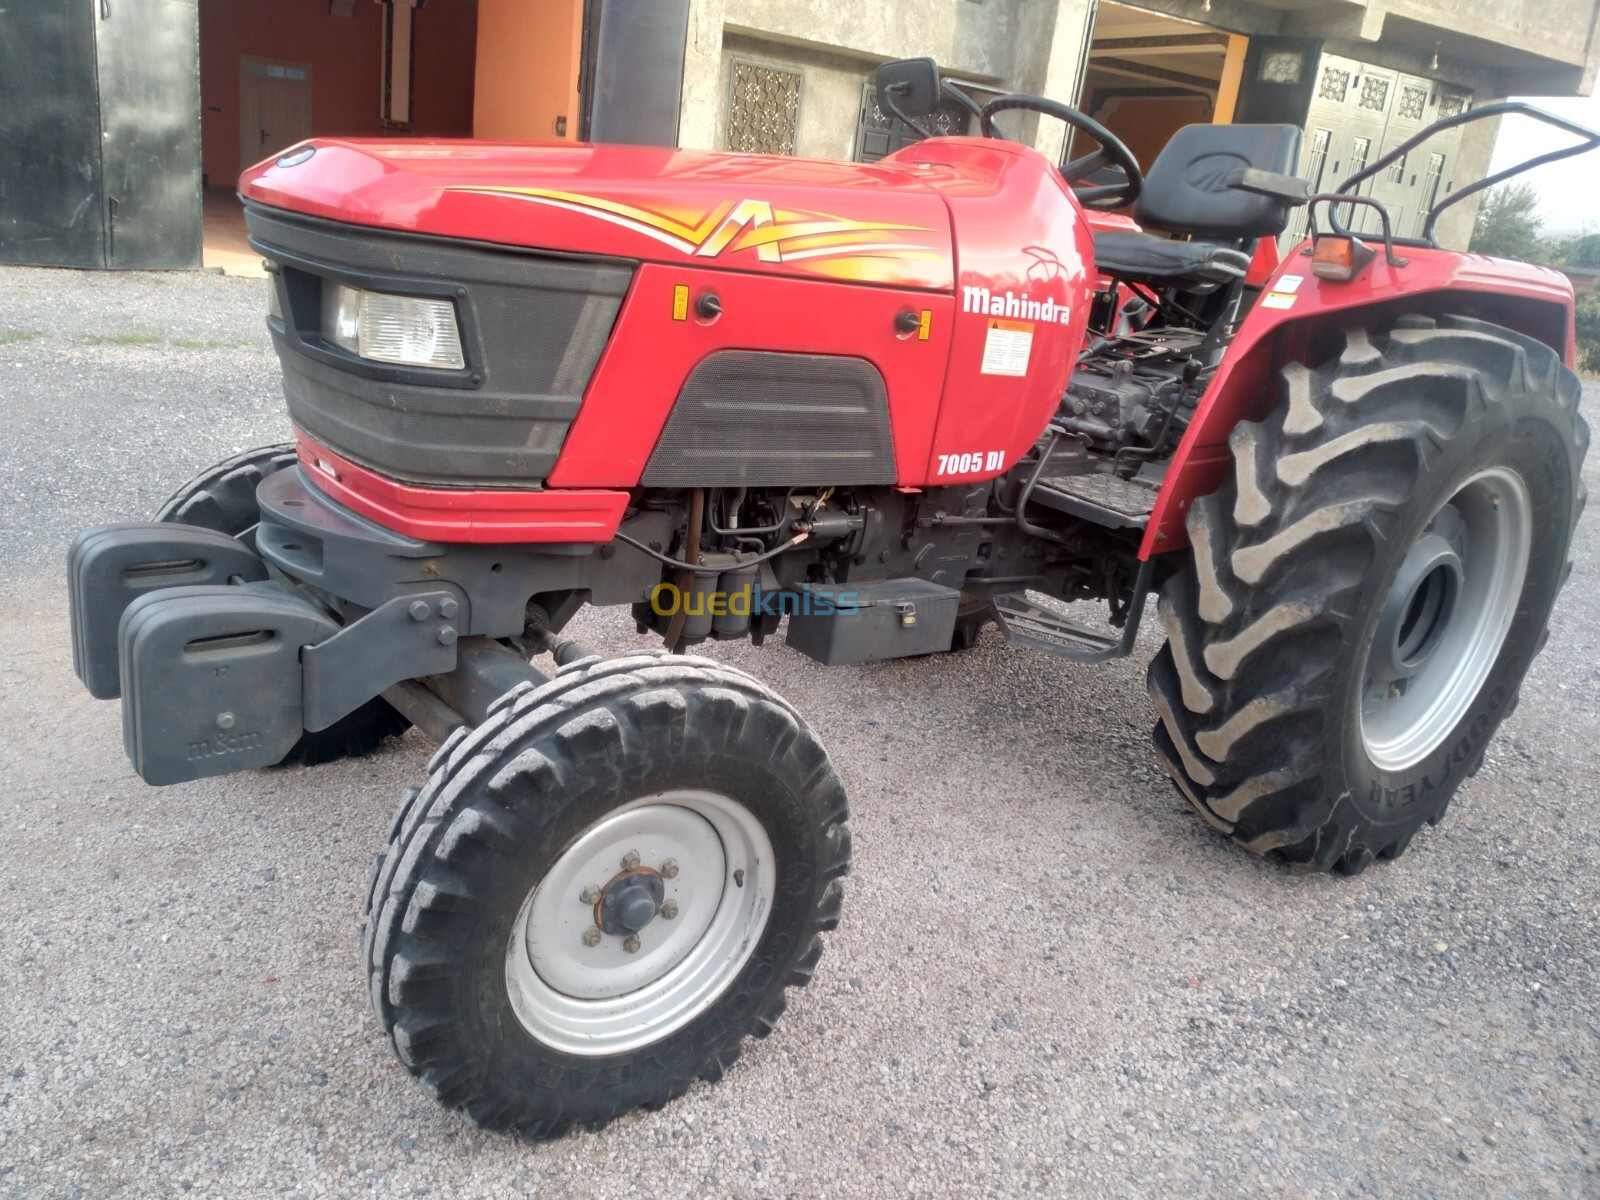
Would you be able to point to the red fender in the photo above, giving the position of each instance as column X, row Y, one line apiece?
column 1296, row 309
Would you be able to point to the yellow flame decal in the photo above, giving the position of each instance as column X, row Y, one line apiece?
column 783, row 236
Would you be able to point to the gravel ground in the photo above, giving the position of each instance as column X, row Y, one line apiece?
column 1051, row 977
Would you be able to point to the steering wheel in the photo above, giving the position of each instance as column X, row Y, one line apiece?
column 1113, row 152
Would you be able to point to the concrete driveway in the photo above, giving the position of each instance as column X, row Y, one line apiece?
column 1051, row 977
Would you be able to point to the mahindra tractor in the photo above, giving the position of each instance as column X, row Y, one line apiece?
column 878, row 407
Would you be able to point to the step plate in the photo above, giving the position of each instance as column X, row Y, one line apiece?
column 1026, row 623
column 1099, row 497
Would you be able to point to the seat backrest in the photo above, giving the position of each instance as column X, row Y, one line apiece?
column 1186, row 189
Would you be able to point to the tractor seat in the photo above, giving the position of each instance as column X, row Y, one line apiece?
column 1193, row 266
column 1186, row 192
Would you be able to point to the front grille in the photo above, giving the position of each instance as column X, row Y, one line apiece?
column 763, row 418
column 533, row 326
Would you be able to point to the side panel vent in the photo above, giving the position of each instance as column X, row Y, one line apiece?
column 758, row 418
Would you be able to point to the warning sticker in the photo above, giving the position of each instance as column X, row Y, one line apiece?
column 1279, row 300
column 1288, row 283
column 1006, row 348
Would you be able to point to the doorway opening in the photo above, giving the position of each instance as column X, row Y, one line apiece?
column 274, row 72
column 1150, row 74
column 274, row 107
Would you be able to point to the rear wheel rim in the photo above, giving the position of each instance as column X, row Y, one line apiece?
column 1445, row 618
column 573, row 979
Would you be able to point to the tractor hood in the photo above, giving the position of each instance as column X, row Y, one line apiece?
column 882, row 223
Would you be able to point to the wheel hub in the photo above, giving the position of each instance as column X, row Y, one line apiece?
column 595, row 968
column 630, row 901
column 1444, row 619
column 1418, row 608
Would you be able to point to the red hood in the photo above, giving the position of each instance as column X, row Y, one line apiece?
column 871, row 223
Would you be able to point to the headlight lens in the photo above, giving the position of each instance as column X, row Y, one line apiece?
column 395, row 329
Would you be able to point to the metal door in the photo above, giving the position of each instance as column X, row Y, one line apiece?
column 274, row 108
column 50, row 212
column 632, row 75
column 1397, row 187
column 148, row 53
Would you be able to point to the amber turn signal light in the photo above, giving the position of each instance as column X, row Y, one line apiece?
column 1340, row 259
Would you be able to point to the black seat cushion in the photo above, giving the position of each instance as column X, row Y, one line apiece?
column 1186, row 189
column 1195, row 266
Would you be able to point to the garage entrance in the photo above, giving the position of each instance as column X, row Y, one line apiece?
column 128, row 123
column 1150, row 74
column 273, row 72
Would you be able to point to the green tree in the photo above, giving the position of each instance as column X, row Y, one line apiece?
column 1588, row 320
column 1509, row 223
column 1585, row 252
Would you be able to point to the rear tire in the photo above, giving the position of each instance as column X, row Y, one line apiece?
column 223, row 498
column 488, row 966
column 1364, row 596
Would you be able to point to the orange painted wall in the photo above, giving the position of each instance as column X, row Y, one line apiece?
column 345, row 56
column 528, row 53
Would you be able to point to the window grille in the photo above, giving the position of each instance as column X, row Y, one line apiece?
column 1335, row 84
column 763, row 109
column 878, row 134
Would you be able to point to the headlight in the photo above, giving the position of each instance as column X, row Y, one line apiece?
column 392, row 329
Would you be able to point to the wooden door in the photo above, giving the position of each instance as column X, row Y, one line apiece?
column 274, row 108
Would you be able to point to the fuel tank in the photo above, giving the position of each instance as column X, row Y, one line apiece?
column 957, row 269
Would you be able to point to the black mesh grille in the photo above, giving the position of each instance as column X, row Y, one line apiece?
column 748, row 417
column 533, row 327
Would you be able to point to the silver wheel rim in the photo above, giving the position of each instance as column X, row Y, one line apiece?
column 586, row 991
column 1445, row 618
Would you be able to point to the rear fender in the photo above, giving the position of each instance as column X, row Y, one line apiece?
column 1300, row 316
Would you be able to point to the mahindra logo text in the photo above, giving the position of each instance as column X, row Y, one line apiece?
column 1013, row 306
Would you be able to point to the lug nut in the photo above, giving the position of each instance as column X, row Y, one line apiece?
column 632, row 944
column 591, row 936
column 669, row 909
column 591, row 895
column 447, row 636
column 419, row 610
column 448, row 608
column 669, row 869
column 630, row 860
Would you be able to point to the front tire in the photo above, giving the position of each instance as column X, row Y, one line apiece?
column 519, row 943
column 1364, row 596
column 223, row 498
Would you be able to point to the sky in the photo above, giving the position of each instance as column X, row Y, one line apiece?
column 1569, row 190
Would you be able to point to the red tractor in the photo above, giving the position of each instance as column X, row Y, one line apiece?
column 886, row 404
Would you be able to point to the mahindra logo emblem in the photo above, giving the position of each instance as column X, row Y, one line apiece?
column 1046, row 266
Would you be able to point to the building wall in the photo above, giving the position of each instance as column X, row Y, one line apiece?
column 527, row 76
column 1024, row 45
column 445, row 50
column 1548, row 25
column 345, row 57
column 1038, row 46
